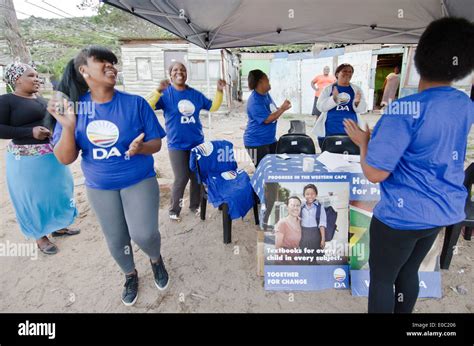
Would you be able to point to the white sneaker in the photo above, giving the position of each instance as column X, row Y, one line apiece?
column 175, row 217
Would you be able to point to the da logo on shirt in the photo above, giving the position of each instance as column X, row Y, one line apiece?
column 206, row 148
column 103, row 134
column 342, row 100
column 229, row 175
column 187, row 109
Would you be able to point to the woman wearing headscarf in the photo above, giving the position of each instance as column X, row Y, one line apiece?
column 181, row 106
column 41, row 189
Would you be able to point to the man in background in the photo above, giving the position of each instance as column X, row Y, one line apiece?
column 390, row 86
column 318, row 84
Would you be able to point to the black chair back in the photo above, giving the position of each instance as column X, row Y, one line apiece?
column 295, row 143
column 468, row 182
column 340, row 144
column 469, row 179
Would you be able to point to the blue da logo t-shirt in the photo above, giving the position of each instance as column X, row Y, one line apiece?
column 344, row 110
column 181, row 111
column 257, row 133
column 421, row 139
column 104, row 135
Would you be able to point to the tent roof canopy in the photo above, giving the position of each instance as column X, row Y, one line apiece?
column 213, row 24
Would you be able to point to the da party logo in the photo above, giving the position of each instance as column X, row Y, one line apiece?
column 187, row 109
column 339, row 275
column 229, row 175
column 342, row 100
column 103, row 134
column 206, row 148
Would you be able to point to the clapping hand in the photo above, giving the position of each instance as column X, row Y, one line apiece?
column 357, row 97
column 136, row 145
column 335, row 93
column 355, row 133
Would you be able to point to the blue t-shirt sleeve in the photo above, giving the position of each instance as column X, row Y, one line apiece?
column 472, row 112
column 258, row 109
column 391, row 137
column 152, row 126
column 161, row 103
column 206, row 103
column 58, row 130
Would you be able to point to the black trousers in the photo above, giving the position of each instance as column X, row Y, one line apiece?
column 258, row 153
column 394, row 260
column 315, row 109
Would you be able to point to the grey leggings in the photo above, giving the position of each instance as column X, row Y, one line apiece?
column 182, row 174
column 130, row 213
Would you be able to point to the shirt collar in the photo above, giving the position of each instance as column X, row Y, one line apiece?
column 315, row 203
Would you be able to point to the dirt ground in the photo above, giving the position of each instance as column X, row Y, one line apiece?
column 205, row 274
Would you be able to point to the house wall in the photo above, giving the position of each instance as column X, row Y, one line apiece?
column 254, row 61
column 291, row 79
column 156, row 53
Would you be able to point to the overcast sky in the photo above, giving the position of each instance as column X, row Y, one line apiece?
column 66, row 8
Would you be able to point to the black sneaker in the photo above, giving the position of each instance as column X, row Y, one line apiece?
column 130, row 292
column 161, row 275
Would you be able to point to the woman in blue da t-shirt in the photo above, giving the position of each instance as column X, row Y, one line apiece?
column 117, row 134
column 260, row 134
column 417, row 153
column 181, row 106
column 339, row 101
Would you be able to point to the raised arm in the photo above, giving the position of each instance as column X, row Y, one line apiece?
column 217, row 102
column 278, row 113
column 326, row 101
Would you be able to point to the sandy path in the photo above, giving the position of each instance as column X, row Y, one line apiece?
column 206, row 275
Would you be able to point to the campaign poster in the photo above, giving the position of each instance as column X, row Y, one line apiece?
column 306, row 249
column 360, row 215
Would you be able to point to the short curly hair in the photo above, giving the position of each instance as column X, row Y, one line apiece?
column 445, row 51
column 254, row 77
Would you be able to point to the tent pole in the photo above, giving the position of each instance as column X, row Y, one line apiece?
column 209, row 132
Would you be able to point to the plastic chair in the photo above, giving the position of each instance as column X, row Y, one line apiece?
column 453, row 231
column 211, row 167
column 295, row 143
column 340, row 144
